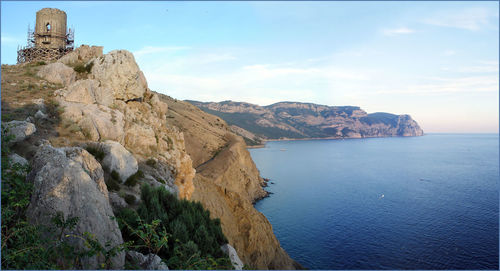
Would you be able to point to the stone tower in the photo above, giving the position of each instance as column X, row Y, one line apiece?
column 50, row 28
column 50, row 39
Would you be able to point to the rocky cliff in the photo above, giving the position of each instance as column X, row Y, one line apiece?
column 305, row 120
column 102, row 103
column 227, row 182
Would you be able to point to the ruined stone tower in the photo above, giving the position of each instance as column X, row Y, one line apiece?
column 50, row 40
column 50, row 28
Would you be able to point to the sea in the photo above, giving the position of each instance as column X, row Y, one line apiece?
column 428, row 202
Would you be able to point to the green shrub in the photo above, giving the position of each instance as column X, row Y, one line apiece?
column 41, row 63
column 115, row 176
column 97, row 152
column 195, row 239
column 132, row 180
column 151, row 162
column 130, row 199
column 82, row 68
column 112, row 184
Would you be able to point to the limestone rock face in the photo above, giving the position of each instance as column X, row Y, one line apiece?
column 70, row 180
column 119, row 72
column 97, row 122
column 147, row 262
column 227, row 185
column 19, row 130
column 115, row 104
column 119, row 159
column 84, row 53
column 233, row 256
column 87, row 92
column 57, row 73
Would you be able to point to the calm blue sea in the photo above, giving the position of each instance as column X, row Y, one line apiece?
column 426, row 202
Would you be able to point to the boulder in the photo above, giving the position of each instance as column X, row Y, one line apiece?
column 119, row 72
column 119, row 159
column 19, row 130
column 17, row 159
column 57, row 73
column 84, row 53
column 70, row 181
column 146, row 262
column 233, row 256
column 40, row 115
column 117, row 202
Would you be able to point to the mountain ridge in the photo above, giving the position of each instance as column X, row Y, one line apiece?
column 296, row 120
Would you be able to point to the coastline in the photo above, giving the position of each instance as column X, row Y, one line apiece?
column 315, row 138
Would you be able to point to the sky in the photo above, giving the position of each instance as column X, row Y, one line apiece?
column 437, row 61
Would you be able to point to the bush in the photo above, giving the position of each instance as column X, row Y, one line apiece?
column 97, row 152
column 115, row 176
column 81, row 68
column 130, row 199
column 195, row 239
column 151, row 162
column 112, row 184
column 132, row 180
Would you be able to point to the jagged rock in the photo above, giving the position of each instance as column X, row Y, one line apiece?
column 40, row 115
column 19, row 130
column 117, row 202
column 146, row 262
column 119, row 72
column 57, row 73
column 70, row 180
column 96, row 121
column 233, row 256
column 17, row 159
column 84, row 53
column 119, row 159
column 86, row 91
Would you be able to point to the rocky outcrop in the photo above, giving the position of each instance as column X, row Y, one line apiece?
column 82, row 54
column 57, row 73
column 114, row 103
column 146, row 262
column 233, row 256
column 87, row 91
column 293, row 120
column 18, row 130
column 118, row 159
column 119, row 72
column 71, row 181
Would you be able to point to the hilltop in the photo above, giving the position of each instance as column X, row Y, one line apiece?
column 95, row 137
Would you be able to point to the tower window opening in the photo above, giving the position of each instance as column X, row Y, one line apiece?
column 48, row 27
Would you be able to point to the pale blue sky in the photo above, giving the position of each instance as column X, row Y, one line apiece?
column 437, row 61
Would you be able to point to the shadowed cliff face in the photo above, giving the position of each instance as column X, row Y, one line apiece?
column 227, row 182
column 306, row 120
